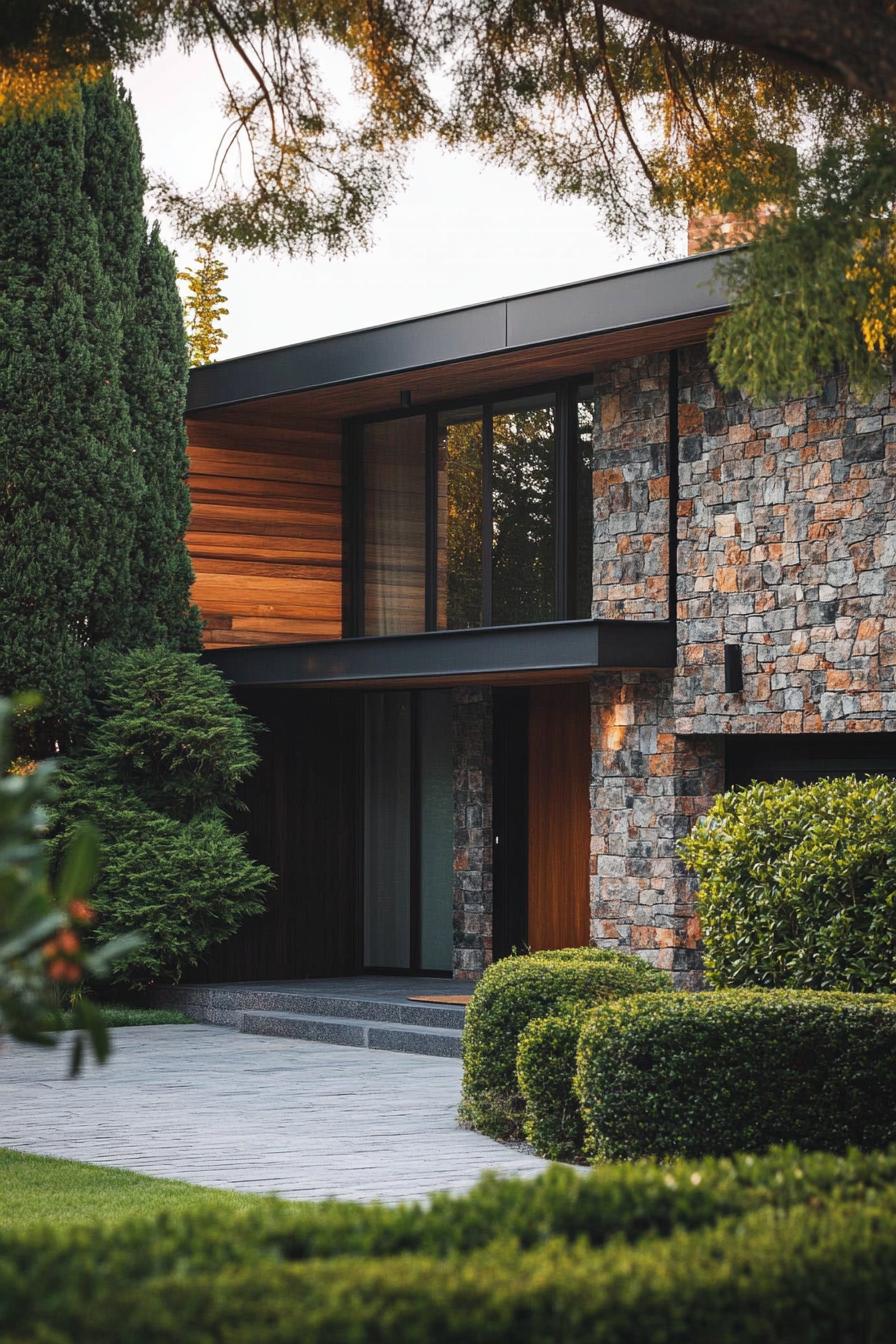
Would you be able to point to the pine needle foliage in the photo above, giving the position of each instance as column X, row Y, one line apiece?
column 205, row 305
column 158, row 777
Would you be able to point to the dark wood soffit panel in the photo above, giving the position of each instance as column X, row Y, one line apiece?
column 323, row 407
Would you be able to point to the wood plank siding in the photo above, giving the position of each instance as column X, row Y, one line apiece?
column 265, row 533
column 559, row 816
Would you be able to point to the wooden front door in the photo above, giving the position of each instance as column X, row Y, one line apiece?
column 559, row 819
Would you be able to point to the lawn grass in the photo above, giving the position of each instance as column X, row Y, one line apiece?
column 52, row 1189
column 120, row 1015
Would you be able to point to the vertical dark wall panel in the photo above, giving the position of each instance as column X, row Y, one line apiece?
column 511, row 804
column 303, row 821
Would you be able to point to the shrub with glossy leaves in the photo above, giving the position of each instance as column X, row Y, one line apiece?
column 518, row 990
column 738, row 1070
column 798, row 884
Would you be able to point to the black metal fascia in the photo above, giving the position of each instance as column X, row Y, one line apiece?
column 641, row 297
column 555, row 646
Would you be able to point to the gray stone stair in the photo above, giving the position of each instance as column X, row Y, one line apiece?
column 351, row 1029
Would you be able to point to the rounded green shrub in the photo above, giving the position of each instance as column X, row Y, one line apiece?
column 158, row 775
column 545, row 1071
column 729, row 1070
column 798, row 885
column 514, row 992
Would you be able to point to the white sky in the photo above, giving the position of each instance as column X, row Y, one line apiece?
column 459, row 231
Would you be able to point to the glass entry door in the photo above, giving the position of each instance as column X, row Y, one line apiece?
column 408, row 838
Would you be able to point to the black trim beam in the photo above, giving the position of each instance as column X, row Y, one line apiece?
column 629, row 299
column 455, row 655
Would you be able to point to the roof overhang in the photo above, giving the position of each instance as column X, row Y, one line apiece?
column 675, row 293
column 555, row 650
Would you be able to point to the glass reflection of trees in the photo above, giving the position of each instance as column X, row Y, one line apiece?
column 523, row 497
column 459, row 604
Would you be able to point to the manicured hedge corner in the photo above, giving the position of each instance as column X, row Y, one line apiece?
column 700, row 1074
column 788, row 1247
column 513, row 993
column 545, row 1070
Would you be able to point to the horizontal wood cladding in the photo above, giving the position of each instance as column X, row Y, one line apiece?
column 265, row 533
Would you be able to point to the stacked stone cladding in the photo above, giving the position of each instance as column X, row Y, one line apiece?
column 631, row 489
column 472, row 903
column 786, row 523
column 786, row 547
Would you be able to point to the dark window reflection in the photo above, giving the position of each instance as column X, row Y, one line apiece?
column 523, row 502
column 583, row 521
column 459, row 511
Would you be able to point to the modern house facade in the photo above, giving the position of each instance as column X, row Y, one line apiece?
column 516, row 589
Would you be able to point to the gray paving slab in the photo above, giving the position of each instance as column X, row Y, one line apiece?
column 255, row 1113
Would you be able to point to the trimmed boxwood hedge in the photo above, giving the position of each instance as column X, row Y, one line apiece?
column 731, row 1070
column 514, row 992
column 545, row 1071
column 790, row 1247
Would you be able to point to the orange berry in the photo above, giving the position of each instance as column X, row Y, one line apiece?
column 81, row 911
column 68, row 941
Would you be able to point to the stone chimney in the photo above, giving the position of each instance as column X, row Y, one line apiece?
column 708, row 232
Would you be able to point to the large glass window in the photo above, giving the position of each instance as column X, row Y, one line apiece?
column 408, row 841
column 459, row 525
column 393, row 469
column 583, row 538
column 477, row 516
column 387, row 829
column 523, row 498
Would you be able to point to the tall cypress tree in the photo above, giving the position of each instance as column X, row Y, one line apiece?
column 93, row 501
column 156, row 382
column 64, row 424
column 152, row 604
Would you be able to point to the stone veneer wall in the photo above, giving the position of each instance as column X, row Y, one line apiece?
column 648, row 785
column 631, row 489
column 472, row 831
column 787, row 546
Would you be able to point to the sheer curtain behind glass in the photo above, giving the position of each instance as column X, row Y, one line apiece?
column 394, row 469
column 387, row 828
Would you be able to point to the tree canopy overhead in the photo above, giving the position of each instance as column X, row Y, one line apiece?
column 647, row 111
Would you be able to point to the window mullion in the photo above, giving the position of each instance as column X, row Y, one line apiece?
column 487, row 515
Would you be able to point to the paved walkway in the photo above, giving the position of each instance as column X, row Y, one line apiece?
column 208, row 1105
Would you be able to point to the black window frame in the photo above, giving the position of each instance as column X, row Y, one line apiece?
column 566, row 446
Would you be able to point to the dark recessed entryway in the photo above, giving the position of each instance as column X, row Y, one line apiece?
column 803, row 757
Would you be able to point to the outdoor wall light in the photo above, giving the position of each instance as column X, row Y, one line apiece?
column 405, row 399
column 734, row 669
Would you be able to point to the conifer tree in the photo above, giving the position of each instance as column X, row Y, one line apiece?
column 152, row 605
column 64, row 427
column 205, row 305
column 156, row 381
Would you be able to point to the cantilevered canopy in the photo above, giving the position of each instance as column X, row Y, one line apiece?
column 552, row 333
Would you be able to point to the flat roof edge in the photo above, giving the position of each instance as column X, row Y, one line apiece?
column 625, row 300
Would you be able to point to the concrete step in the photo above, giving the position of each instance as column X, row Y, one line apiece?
column 360, row 1032
column 223, row 1005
